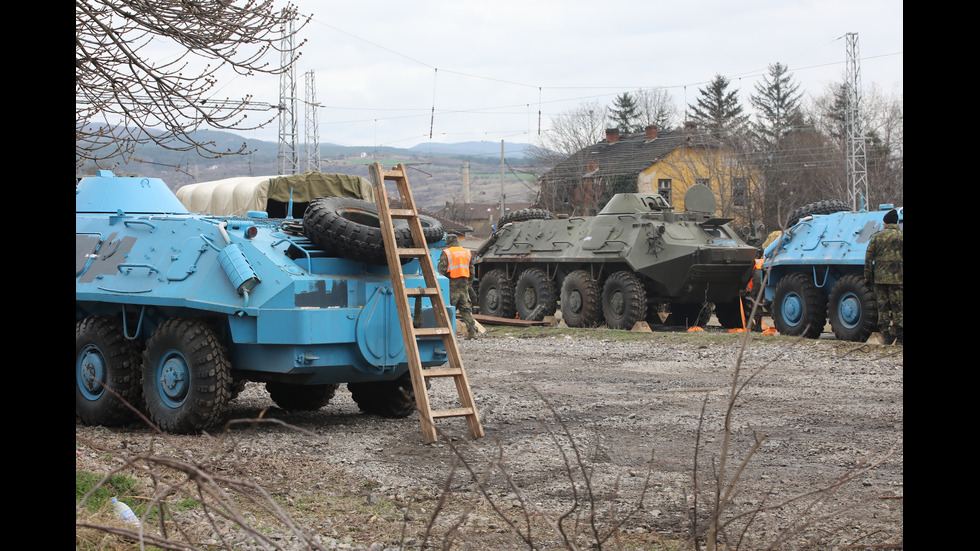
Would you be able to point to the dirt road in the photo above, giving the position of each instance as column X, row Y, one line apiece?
column 615, row 422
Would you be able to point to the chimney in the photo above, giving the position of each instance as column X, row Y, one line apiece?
column 651, row 132
column 612, row 135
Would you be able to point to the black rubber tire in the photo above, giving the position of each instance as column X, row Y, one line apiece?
column 497, row 295
column 821, row 207
column 350, row 228
column 107, row 372
column 295, row 397
column 729, row 314
column 187, row 380
column 523, row 215
column 624, row 300
column 535, row 296
column 432, row 229
column 689, row 315
column 393, row 399
column 853, row 309
column 799, row 308
column 581, row 305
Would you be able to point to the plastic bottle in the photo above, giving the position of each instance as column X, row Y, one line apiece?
column 125, row 513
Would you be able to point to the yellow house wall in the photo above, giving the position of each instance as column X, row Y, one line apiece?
column 682, row 167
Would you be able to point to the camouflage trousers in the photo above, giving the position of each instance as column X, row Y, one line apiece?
column 889, row 308
column 459, row 297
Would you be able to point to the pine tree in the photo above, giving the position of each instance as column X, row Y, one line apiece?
column 625, row 115
column 718, row 110
column 777, row 101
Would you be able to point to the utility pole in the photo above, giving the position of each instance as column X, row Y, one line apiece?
column 857, row 163
column 312, row 125
column 503, row 195
column 287, row 106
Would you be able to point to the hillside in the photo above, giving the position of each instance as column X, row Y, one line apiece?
column 436, row 170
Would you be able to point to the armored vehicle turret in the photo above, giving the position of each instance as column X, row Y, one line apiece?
column 175, row 310
column 637, row 260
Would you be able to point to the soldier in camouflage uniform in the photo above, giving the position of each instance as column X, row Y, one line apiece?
column 883, row 270
column 456, row 263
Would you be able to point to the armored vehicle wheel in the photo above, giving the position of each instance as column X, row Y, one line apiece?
column 295, row 397
column 187, row 381
column 689, row 315
column 853, row 309
column 580, row 304
column 523, row 215
column 535, row 296
column 821, row 207
column 497, row 295
column 624, row 300
column 729, row 314
column 798, row 307
column 107, row 373
column 350, row 228
column 395, row 399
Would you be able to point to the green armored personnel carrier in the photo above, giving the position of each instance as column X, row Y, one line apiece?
column 637, row 260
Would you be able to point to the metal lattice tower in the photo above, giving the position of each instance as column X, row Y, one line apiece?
column 857, row 163
column 312, row 125
column 287, row 106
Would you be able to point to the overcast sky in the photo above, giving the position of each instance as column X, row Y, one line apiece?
column 487, row 68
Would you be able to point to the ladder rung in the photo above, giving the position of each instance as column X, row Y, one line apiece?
column 442, row 372
column 458, row 412
column 422, row 292
column 403, row 213
column 432, row 331
column 393, row 174
column 413, row 251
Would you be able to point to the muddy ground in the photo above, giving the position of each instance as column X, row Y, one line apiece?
column 593, row 435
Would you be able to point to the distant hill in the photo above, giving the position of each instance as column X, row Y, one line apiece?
column 437, row 178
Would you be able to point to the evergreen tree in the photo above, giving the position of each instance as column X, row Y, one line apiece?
column 625, row 115
column 718, row 111
column 777, row 101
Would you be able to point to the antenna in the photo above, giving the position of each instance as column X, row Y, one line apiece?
column 312, row 125
column 857, row 163
column 287, row 105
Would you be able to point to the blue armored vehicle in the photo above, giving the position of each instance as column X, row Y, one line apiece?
column 175, row 311
column 817, row 270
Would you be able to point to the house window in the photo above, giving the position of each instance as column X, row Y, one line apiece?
column 740, row 192
column 663, row 188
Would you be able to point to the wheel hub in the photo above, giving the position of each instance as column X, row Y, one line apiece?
column 849, row 310
column 575, row 301
column 617, row 303
column 173, row 379
column 530, row 298
column 792, row 309
column 90, row 373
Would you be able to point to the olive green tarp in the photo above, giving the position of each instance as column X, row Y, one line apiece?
column 238, row 196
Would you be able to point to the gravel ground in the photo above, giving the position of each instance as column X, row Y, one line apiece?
column 611, row 421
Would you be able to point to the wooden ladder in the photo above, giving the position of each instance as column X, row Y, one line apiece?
column 446, row 327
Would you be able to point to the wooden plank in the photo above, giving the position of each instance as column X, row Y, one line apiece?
column 493, row 320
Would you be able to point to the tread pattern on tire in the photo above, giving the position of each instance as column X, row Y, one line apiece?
column 545, row 303
column 829, row 206
column 350, row 228
column 627, row 286
column 122, row 365
column 580, row 301
column 813, row 301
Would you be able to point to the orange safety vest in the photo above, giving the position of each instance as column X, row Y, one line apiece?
column 459, row 262
column 758, row 267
